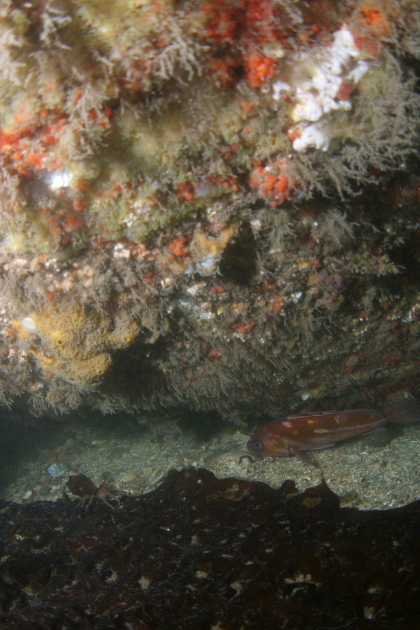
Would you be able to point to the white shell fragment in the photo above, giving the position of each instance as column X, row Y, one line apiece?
column 29, row 324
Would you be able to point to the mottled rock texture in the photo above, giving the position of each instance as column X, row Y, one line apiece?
column 210, row 205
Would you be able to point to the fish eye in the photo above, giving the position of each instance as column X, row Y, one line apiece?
column 258, row 445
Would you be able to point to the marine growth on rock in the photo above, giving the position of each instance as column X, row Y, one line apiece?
column 186, row 186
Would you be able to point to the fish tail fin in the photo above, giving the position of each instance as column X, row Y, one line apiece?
column 406, row 411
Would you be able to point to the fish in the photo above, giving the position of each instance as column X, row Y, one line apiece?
column 310, row 431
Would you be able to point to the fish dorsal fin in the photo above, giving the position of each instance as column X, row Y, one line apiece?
column 310, row 409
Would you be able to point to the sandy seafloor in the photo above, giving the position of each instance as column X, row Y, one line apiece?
column 372, row 472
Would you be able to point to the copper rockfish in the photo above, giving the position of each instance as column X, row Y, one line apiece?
column 315, row 431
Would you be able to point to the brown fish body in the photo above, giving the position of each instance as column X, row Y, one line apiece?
column 313, row 431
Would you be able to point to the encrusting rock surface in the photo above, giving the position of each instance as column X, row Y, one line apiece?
column 210, row 207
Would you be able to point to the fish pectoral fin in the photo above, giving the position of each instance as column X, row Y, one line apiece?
column 303, row 457
column 321, row 448
column 376, row 430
